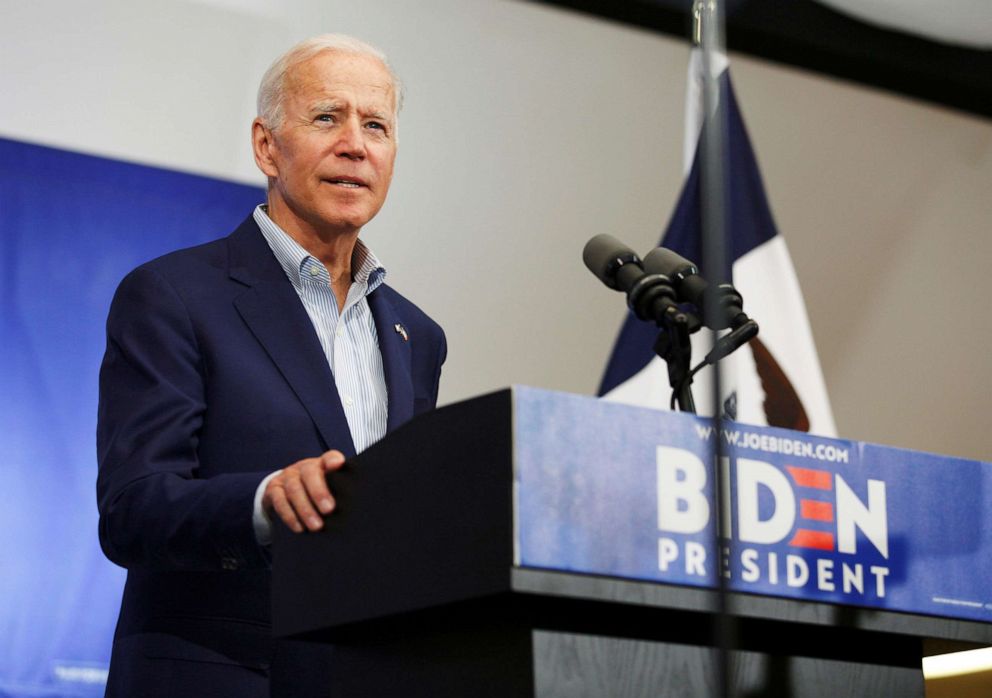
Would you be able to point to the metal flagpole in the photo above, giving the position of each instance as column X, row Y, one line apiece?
column 708, row 33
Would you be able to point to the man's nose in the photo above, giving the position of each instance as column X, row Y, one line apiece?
column 350, row 142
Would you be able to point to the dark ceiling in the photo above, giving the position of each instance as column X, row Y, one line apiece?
column 808, row 35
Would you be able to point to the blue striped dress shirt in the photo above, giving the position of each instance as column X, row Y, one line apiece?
column 349, row 340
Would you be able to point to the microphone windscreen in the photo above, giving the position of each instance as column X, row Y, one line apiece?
column 662, row 260
column 604, row 255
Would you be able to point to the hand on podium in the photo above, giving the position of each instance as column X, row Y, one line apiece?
column 300, row 490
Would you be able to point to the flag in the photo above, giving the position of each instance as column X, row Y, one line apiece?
column 776, row 379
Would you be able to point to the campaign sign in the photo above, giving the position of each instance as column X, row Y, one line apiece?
column 608, row 489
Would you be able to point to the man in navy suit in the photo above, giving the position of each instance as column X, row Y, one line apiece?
column 239, row 373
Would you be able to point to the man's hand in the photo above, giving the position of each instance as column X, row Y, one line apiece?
column 300, row 490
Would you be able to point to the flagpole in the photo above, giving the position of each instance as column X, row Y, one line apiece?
column 708, row 34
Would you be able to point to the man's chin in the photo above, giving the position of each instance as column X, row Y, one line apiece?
column 344, row 221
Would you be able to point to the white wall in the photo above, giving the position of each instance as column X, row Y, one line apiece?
column 529, row 129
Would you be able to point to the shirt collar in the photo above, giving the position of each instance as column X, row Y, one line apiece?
column 365, row 266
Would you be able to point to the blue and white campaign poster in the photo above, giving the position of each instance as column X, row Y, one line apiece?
column 72, row 226
column 625, row 491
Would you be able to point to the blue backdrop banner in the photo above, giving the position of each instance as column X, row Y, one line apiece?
column 615, row 490
column 73, row 225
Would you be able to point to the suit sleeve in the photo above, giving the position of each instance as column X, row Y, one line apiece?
column 427, row 362
column 156, row 510
column 442, row 354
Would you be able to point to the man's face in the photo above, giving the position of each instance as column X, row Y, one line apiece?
column 330, row 162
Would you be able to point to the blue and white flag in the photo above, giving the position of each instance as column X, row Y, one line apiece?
column 776, row 380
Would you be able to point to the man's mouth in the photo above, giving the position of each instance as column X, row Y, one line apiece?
column 347, row 182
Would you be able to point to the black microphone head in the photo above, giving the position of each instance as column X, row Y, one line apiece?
column 604, row 255
column 689, row 285
column 662, row 260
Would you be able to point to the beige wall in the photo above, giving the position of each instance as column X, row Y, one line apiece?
column 887, row 207
column 527, row 130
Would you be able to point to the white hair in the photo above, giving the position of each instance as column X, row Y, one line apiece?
column 272, row 89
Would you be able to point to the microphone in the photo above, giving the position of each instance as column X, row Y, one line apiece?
column 721, row 300
column 606, row 257
column 649, row 295
column 690, row 287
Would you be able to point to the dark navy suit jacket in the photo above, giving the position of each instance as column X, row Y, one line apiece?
column 213, row 377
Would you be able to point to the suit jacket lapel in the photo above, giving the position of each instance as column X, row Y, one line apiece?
column 394, row 345
column 275, row 315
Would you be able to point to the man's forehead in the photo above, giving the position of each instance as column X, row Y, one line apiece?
column 337, row 70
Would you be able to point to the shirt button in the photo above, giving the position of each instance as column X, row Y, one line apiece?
column 314, row 271
column 339, row 332
column 348, row 401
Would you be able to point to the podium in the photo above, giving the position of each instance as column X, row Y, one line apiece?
column 477, row 551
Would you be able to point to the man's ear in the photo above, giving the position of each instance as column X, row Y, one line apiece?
column 263, row 146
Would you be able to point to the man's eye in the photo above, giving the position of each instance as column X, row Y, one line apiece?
column 327, row 118
column 376, row 124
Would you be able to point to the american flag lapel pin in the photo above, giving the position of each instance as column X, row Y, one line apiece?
column 401, row 331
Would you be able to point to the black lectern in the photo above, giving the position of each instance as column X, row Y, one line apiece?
column 412, row 582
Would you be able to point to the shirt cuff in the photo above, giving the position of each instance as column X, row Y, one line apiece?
column 260, row 519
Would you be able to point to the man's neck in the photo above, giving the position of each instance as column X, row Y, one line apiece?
column 334, row 248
